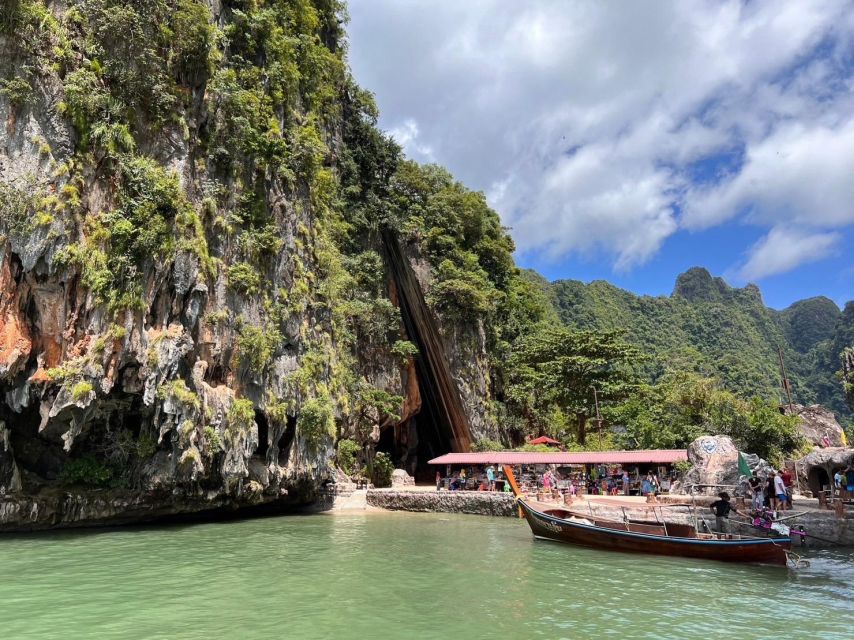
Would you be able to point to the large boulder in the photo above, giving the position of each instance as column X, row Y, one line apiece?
column 399, row 478
column 714, row 461
column 816, row 422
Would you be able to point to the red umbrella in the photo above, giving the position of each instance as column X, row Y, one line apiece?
column 543, row 440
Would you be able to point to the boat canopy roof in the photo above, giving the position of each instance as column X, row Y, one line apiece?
column 564, row 458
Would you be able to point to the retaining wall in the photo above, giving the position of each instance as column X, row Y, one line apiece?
column 481, row 503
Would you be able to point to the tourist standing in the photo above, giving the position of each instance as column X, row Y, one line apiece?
column 780, row 491
column 646, row 485
column 849, row 477
column 787, row 481
column 721, row 508
column 490, row 479
column 770, row 500
column 438, row 481
column 625, row 482
column 757, row 499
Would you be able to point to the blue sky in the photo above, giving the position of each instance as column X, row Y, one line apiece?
column 631, row 141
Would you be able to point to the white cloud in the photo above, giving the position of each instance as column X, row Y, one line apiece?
column 784, row 249
column 406, row 135
column 800, row 174
column 581, row 120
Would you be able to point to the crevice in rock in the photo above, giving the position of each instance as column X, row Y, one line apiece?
column 286, row 440
column 263, row 434
column 442, row 423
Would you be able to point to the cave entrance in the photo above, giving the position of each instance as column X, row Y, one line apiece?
column 441, row 426
column 263, row 434
column 818, row 479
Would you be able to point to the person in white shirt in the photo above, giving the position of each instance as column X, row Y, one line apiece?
column 780, row 491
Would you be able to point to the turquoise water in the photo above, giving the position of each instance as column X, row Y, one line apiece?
column 397, row 575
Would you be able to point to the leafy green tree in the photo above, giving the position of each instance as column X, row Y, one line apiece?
column 486, row 444
column 556, row 367
column 349, row 456
column 682, row 406
column 372, row 408
column 847, row 374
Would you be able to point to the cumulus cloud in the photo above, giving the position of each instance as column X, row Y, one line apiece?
column 407, row 135
column 588, row 124
column 784, row 249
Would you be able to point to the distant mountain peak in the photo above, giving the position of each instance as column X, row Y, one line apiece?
column 698, row 285
column 727, row 332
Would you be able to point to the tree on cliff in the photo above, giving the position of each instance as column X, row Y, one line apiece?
column 557, row 368
column 847, row 374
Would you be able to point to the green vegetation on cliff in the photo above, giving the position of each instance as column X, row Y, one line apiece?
column 210, row 195
column 712, row 329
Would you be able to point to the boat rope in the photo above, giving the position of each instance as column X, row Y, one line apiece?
column 795, row 561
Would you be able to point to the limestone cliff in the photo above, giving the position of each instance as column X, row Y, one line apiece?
column 196, row 302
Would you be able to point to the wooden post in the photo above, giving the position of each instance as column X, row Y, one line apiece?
column 511, row 478
column 785, row 379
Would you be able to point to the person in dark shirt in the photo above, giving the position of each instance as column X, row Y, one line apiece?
column 756, row 492
column 721, row 508
column 787, row 483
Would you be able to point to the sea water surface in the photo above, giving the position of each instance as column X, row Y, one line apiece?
column 397, row 575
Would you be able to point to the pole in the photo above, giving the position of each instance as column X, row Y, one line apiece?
column 598, row 416
column 786, row 386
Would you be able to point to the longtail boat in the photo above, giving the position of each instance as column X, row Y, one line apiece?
column 566, row 525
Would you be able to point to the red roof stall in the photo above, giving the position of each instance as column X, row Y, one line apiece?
column 543, row 440
column 562, row 458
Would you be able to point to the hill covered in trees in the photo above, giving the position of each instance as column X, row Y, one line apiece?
column 710, row 328
column 220, row 279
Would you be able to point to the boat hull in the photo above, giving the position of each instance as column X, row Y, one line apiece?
column 759, row 550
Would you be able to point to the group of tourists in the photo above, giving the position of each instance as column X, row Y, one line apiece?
column 594, row 480
column 775, row 492
column 622, row 482
column 770, row 495
column 477, row 480
column 843, row 481
column 598, row 480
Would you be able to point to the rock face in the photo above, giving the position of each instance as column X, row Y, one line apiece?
column 195, row 303
column 817, row 423
column 815, row 470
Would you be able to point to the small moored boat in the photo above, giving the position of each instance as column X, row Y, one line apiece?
column 565, row 525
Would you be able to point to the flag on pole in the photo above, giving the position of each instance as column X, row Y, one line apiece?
column 743, row 469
